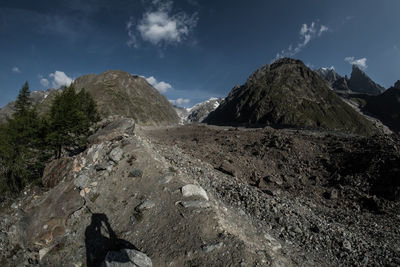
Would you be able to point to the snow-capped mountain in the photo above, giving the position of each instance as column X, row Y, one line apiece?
column 198, row 112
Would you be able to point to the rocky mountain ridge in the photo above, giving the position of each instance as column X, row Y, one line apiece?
column 359, row 81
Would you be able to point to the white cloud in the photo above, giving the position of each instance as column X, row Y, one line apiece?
column 44, row 82
column 307, row 33
column 362, row 62
column 15, row 70
column 162, row 87
column 59, row 78
column 159, row 26
column 322, row 30
column 180, row 101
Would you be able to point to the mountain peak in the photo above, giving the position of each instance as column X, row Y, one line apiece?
column 397, row 85
column 362, row 83
column 288, row 93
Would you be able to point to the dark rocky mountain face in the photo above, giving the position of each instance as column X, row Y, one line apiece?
column 360, row 82
column 120, row 93
column 386, row 106
column 288, row 93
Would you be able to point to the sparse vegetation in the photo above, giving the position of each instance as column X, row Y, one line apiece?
column 27, row 141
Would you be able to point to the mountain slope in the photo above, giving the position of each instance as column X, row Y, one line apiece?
column 386, row 106
column 288, row 93
column 120, row 93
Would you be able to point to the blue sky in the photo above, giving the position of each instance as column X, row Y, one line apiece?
column 191, row 49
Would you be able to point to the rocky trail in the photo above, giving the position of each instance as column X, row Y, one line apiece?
column 123, row 202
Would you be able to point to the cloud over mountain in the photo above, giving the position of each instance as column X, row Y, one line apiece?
column 160, row 26
column 306, row 34
column 162, row 87
column 57, row 79
column 361, row 62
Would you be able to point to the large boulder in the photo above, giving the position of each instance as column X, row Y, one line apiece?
column 112, row 128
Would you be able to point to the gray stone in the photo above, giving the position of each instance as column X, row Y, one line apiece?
column 148, row 204
column 126, row 258
column 136, row 173
column 195, row 204
column 209, row 248
column 100, row 167
column 116, row 154
column 346, row 245
column 194, row 190
column 166, row 179
column 113, row 128
column 81, row 181
column 14, row 205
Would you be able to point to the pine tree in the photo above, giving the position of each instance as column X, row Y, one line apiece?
column 71, row 115
column 23, row 102
column 20, row 145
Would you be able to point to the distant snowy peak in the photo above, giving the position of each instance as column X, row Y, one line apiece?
column 198, row 112
column 329, row 75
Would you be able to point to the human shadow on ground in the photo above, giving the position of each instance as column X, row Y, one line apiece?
column 100, row 239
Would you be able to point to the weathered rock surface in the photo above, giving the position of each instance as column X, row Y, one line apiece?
column 192, row 190
column 56, row 171
column 112, row 128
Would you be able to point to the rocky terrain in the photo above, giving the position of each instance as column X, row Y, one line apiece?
column 287, row 93
column 329, row 199
column 121, row 200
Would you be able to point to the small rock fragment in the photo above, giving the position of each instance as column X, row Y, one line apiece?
column 136, row 173
column 165, row 179
column 209, row 248
column 346, row 245
column 194, row 190
column 81, row 181
column 116, row 154
column 148, row 204
column 126, row 257
column 100, row 167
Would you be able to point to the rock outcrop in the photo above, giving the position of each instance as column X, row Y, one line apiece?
column 290, row 94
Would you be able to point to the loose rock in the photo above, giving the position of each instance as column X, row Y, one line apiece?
column 125, row 258
column 194, row 190
column 116, row 154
